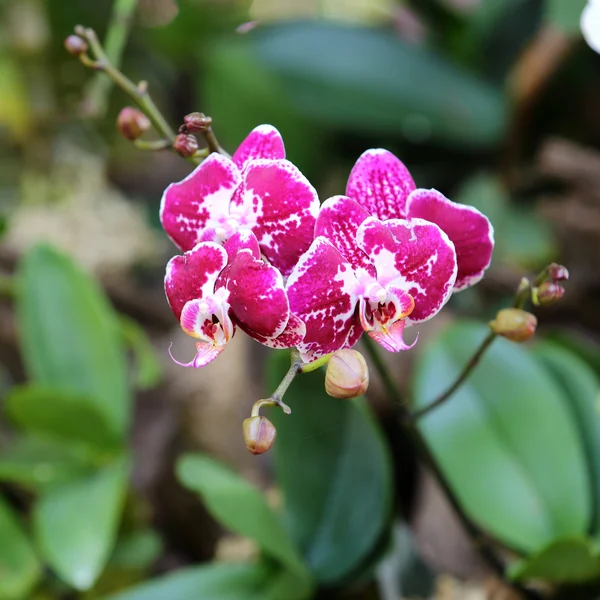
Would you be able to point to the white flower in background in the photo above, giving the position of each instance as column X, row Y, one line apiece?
column 590, row 24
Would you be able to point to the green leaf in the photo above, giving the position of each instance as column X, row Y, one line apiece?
column 137, row 550
column 69, row 334
column 363, row 80
column 565, row 14
column 19, row 567
column 506, row 440
column 37, row 463
column 333, row 467
column 60, row 413
column 148, row 371
column 220, row 582
column 582, row 391
column 570, row 560
column 76, row 523
column 239, row 506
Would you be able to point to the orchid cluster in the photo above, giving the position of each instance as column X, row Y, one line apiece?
column 262, row 254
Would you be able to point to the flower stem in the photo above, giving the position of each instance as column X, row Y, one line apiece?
column 277, row 395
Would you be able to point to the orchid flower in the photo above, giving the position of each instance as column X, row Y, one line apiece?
column 213, row 288
column 590, row 24
column 382, row 185
column 257, row 189
column 363, row 274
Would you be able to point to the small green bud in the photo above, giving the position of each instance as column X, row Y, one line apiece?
column 185, row 145
column 259, row 434
column 347, row 374
column 547, row 293
column 514, row 324
column 132, row 123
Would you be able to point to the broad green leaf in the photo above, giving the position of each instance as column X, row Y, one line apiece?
column 69, row 334
column 570, row 560
column 239, row 506
column 61, row 414
column 137, row 550
column 363, row 80
column 220, row 582
column 19, row 566
column 506, row 440
column 565, row 14
column 148, row 371
column 334, row 470
column 37, row 463
column 582, row 390
column 76, row 523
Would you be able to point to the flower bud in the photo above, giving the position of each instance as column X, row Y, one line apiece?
column 132, row 123
column 185, row 145
column 558, row 272
column 547, row 293
column 347, row 374
column 75, row 45
column 259, row 434
column 514, row 324
column 195, row 121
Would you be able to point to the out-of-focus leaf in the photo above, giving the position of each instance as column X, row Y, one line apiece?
column 76, row 523
column 239, row 506
column 60, row 413
column 522, row 239
column 506, row 440
column 138, row 550
column 569, row 560
column 69, row 334
column 335, row 473
column 148, row 371
column 19, row 567
column 219, row 582
column 582, row 390
column 15, row 109
column 565, row 14
column 366, row 80
column 37, row 463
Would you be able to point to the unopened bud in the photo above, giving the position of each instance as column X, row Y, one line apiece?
column 132, row 123
column 259, row 434
column 347, row 374
column 195, row 121
column 558, row 272
column 185, row 145
column 514, row 324
column 76, row 45
column 547, row 293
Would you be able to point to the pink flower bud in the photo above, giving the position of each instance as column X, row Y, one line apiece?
column 514, row 324
column 76, row 45
column 194, row 122
column 558, row 272
column 259, row 434
column 132, row 123
column 347, row 374
column 547, row 293
column 185, row 145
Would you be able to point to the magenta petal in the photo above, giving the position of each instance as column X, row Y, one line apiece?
column 257, row 296
column 242, row 239
column 338, row 221
column 321, row 292
column 292, row 335
column 193, row 275
column 263, row 141
column 426, row 261
column 380, row 183
column 204, row 194
column 470, row 231
column 205, row 353
column 391, row 339
column 280, row 206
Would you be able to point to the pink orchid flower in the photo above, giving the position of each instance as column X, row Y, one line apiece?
column 257, row 189
column 363, row 274
column 381, row 184
column 213, row 288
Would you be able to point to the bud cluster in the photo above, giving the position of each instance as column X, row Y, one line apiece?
column 549, row 291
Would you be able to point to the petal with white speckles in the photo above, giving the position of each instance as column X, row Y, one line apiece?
column 263, row 141
column 193, row 275
column 290, row 337
column 321, row 291
column 204, row 194
column 280, row 206
column 470, row 231
column 380, row 183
